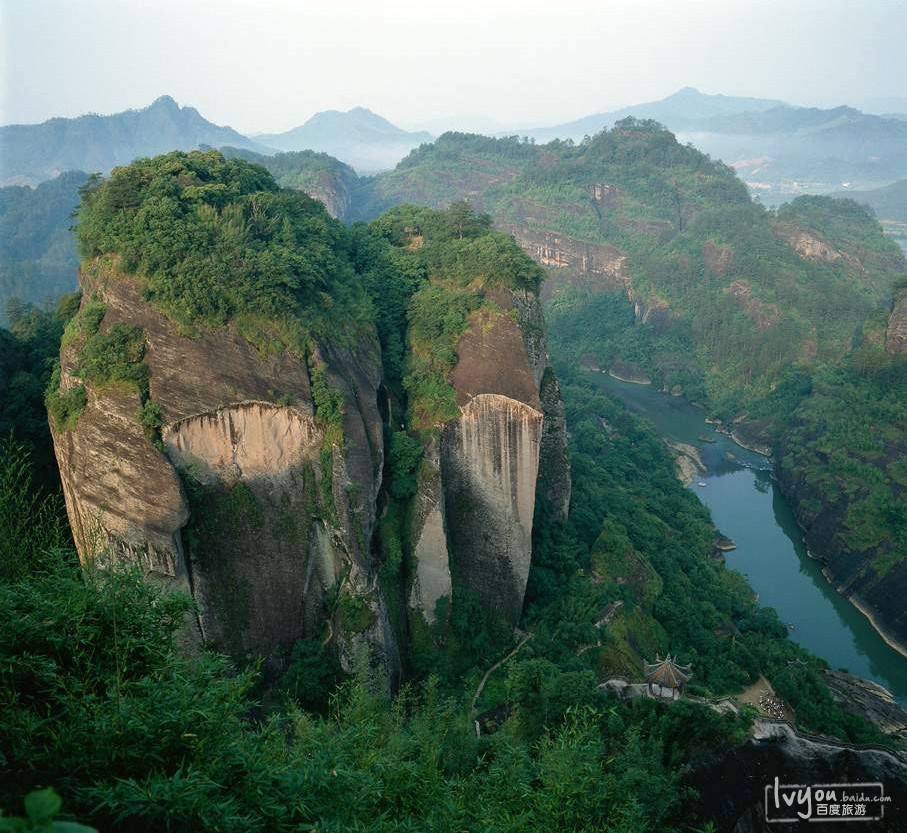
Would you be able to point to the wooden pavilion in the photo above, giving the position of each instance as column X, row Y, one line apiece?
column 667, row 674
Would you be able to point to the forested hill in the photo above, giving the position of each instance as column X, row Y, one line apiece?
column 255, row 396
column 767, row 288
column 768, row 315
column 318, row 174
column 31, row 153
column 38, row 258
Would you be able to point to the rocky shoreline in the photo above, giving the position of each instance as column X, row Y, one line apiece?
column 627, row 372
column 871, row 700
column 687, row 461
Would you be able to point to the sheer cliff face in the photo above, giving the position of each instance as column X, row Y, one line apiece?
column 474, row 511
column 247, row 506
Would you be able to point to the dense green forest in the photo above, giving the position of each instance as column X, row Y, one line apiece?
column 218, row 240
column 136, row 734
column 105, row 703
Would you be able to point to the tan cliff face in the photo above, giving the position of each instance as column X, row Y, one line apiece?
column 335, row 194
column 474, row 511
column 490, row 465
column 896, row 334
column 594, row 266
column 604, row 264
column 808, row 245
column 248, row 507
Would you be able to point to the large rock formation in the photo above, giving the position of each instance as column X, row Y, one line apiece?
column 472, row 524
column 248, row 503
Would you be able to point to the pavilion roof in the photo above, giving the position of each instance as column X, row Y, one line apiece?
column 667, row 673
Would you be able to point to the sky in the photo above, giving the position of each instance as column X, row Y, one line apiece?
column 268, row 65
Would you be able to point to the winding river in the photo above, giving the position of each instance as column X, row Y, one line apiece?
column 747, row 506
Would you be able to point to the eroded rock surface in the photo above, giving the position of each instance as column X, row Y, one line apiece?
column 248, row 506
column 476, row 501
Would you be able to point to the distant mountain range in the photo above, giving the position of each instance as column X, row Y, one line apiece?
column 359, row 137
column 31, row 153
column 779, row 150
column 684, row 110
column 786, row 151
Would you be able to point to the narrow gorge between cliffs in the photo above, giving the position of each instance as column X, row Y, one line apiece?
column 748, row 507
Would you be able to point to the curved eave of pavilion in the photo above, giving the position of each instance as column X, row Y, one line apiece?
column 667, row 673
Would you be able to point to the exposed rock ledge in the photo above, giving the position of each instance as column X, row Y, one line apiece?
column 873, row 701
column 687, row 461
column 732, row 784
column 473, row 512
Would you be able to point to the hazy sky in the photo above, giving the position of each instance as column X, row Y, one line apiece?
column 262, row 65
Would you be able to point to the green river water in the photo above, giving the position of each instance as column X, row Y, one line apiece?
column 748, row 507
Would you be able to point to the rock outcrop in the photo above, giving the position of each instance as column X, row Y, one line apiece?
column 732, row 785
column 896, row 334
column 474, row 510
column 870, row 700
column 265, row 515
column 594, row 266
column 333, row 189
column 807, row 245
column 247, row 503
column 582, row 263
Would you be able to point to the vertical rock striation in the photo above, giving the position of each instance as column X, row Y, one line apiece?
column 490, row 466
column 473, row 517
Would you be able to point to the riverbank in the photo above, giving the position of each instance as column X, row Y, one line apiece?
column 749, row 507
column 630, row 373
column 747, row 435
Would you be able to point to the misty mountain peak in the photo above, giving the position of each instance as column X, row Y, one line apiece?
column 164, row 102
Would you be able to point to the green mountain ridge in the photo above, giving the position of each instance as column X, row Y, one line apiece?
column 785, row 150
column 752, row 311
